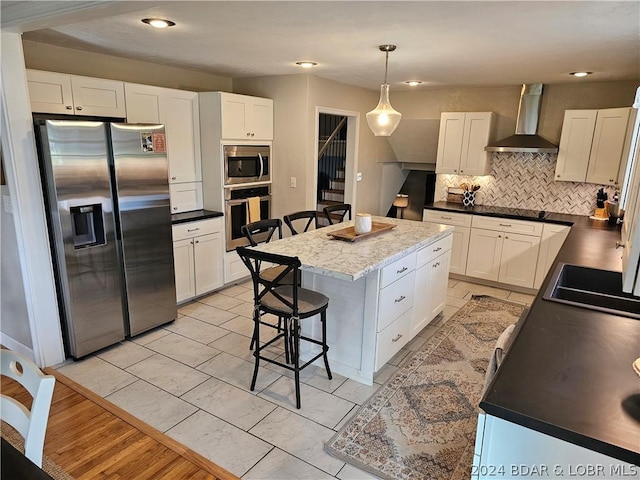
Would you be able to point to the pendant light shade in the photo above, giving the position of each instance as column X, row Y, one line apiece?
column 384, row 119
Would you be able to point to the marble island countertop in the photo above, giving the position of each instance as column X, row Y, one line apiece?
column 320, row 253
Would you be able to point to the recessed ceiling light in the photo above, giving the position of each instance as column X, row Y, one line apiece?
column 306, row 64
column 580, row 74
column 413, row 83
column 158, row 22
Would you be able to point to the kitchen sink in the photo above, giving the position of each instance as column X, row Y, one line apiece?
column 593, row 289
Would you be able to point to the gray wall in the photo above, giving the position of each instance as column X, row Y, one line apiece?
column 13, row 305
column 52, row 58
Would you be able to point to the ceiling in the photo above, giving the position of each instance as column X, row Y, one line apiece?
column 441, row 43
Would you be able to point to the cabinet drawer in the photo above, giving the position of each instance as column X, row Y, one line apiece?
column 392, row 339
column 447, row 218
column 395, row 299
column 508, row 225
column 397, row 269
column 430, row 252
column 194, row 229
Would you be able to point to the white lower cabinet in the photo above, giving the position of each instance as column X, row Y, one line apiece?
column 430, row 287
column 504, row 250
column 505, row 450
column 198, row 257
column 553, row 236
column 460, row 247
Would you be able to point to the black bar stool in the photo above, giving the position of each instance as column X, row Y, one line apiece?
column 338, row 211
column 311, row 216
column 288, row 301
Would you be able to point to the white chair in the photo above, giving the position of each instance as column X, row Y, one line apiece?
column 32, row 425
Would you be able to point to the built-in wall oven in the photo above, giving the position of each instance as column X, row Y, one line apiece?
column 246, row 164
column 236, row 200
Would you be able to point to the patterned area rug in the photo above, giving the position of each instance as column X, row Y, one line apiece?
column 421, row 424
column 54, row 470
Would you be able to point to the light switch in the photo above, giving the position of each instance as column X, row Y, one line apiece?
column 359, row 177
column 293, row 182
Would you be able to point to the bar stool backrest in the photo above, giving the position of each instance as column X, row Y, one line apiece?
column 311, row 216
column 255, row 231
column 340, row 210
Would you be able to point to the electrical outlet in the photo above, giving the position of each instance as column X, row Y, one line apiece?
column 359, row 177
column 293, row 182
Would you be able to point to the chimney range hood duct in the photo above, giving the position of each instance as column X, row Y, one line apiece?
column 526, row 139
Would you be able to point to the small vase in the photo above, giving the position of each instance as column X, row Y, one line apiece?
column 469, row 199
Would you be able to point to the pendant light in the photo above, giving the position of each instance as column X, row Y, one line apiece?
column 383, row 119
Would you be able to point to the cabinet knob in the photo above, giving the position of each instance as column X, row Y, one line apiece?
column 197, row 241
column 252, row 134
column 455, row 170
column 461, row 171
column 175, row 208
column 78, row 108
column 557, row 176
column 69, row 107
column 620, row 245
column 173, row 178
column 248, row 134
column 499, row 236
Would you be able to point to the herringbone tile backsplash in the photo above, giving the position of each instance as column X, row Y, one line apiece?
column 526, row 180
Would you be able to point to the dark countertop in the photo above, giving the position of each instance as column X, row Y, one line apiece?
column 506, row 212
column 568, row 372
column 194, row 216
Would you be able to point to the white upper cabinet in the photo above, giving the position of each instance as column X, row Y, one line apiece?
column 246, row 118
column 51, row 92
column 591, row 145
column 178, row 110
column 461, row 143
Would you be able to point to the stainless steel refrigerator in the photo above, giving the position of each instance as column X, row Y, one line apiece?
column 107, row 199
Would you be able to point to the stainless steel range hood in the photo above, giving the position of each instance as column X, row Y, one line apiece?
column 526, row 139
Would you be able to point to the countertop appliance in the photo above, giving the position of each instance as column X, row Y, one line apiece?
column 246, row 164
column 107, row 200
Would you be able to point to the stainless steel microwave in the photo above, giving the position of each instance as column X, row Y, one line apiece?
column 247, row 164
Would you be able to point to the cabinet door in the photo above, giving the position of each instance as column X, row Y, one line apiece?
column 183, row 259
column 209, row 266
column 553, row 236
column 438, row 284
column 50, row 92
column 477, row 132
column 144, row 103
column 98, row 97
column 607, row 146
column 518, row 260
column 450, row 142
column 485, row 248
column 460, row 250
column 234, row 116
column 261, row 119
column 182, row 122
column 420, row 313
column 575, row 145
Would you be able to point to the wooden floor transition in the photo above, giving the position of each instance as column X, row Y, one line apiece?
column 91, row 438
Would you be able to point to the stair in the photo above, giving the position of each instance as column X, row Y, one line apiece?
column 331, row 164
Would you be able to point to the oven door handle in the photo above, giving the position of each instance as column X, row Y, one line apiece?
column 240, row 201
column 261, row 166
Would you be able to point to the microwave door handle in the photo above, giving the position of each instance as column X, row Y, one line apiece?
column 261, row 166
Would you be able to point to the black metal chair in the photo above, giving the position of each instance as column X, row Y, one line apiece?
column 288, row 301
column 263, row 231
column 311, row 216
column 337, row 212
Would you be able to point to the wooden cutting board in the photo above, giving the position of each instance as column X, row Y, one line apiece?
column 349, row 234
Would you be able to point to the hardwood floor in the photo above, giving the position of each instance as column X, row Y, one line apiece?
column 90, row 438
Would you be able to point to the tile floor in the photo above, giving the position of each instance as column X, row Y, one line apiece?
column 190, row 379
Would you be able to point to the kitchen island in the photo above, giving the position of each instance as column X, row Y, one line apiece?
column 373, row 311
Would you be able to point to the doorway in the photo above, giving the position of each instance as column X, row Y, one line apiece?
column 336, row 133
